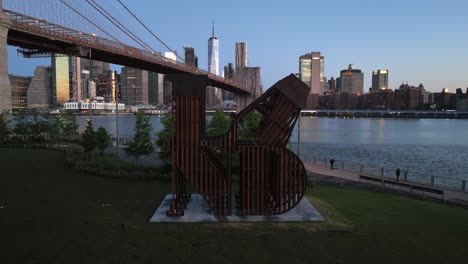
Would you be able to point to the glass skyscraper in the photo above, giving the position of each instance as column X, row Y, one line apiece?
column 311, row 71
column 61, row 80
column 213, row 54
column 379, row 80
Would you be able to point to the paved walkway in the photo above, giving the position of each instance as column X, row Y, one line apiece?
column 344, row 177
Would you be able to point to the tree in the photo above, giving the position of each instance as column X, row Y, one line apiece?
column 249, row 125
column 164, row 138
column 88, row 138
column 5, row 130
column 102, row 139
column 70, row 126
column 56, row 128
column 141, row 143
column 219, row 124
column 23, row 127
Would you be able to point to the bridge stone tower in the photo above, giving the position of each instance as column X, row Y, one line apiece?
column 5, row 86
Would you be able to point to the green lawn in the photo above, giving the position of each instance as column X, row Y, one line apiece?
column 53, row 214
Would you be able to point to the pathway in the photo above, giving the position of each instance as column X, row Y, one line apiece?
column 343, row 177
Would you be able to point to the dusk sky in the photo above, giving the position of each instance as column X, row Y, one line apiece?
column 417, row 41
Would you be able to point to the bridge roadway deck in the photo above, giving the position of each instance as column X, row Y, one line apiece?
column 339, row 176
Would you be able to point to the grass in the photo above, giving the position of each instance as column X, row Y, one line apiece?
column 54, row 214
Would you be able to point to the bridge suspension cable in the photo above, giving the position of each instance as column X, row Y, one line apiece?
column 151, row 32
column 120, row 26
column 94, row 24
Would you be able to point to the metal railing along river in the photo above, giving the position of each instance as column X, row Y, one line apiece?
column 406, row 175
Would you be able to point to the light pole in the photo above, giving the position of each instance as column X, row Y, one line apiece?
column 89, row 105
column 116, row 115
column 299, row 135
column 299, row 127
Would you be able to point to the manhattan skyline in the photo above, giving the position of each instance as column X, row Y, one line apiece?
column 417, row 41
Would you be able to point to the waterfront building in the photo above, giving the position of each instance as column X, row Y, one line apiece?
column 190, row 58
column 40, row 94
column 241, row 55
column 408, row 97
column 352, row 80
column 344, row 101
column 379, row 100
column 101, row 106
column 462, row 100
column 379, row 80
column 19, row 91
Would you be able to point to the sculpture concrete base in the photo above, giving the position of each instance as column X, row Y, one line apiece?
column 199, row 211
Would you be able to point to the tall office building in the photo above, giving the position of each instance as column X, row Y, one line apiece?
column 40, row 93
column 86, row 70
column 95, row 68
column 311, row 71
column 190, row 57
column 241, row 55
column 213, row 54
column 106, row 86
column 352, row 80
column 134, row 86
column 153, row 87
column 332, row 85
column 19, row 91
column 61, row 79
column 379, row 80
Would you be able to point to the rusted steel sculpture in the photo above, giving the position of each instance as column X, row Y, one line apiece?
column 271, row 179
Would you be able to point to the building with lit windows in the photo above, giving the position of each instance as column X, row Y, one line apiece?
column 379, row 80
column 19, row 91
column 134, row 86
column 352, row 80
column 61, row 79
column 311, row 71
column 40, row 93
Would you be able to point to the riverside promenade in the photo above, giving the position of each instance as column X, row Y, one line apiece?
column 338, row 177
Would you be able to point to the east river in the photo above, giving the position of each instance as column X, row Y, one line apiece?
column 423, row 147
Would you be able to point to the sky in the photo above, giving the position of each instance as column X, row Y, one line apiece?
column 417, row 41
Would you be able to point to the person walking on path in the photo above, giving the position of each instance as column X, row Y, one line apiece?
column 331, row 163
column 397, row 173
